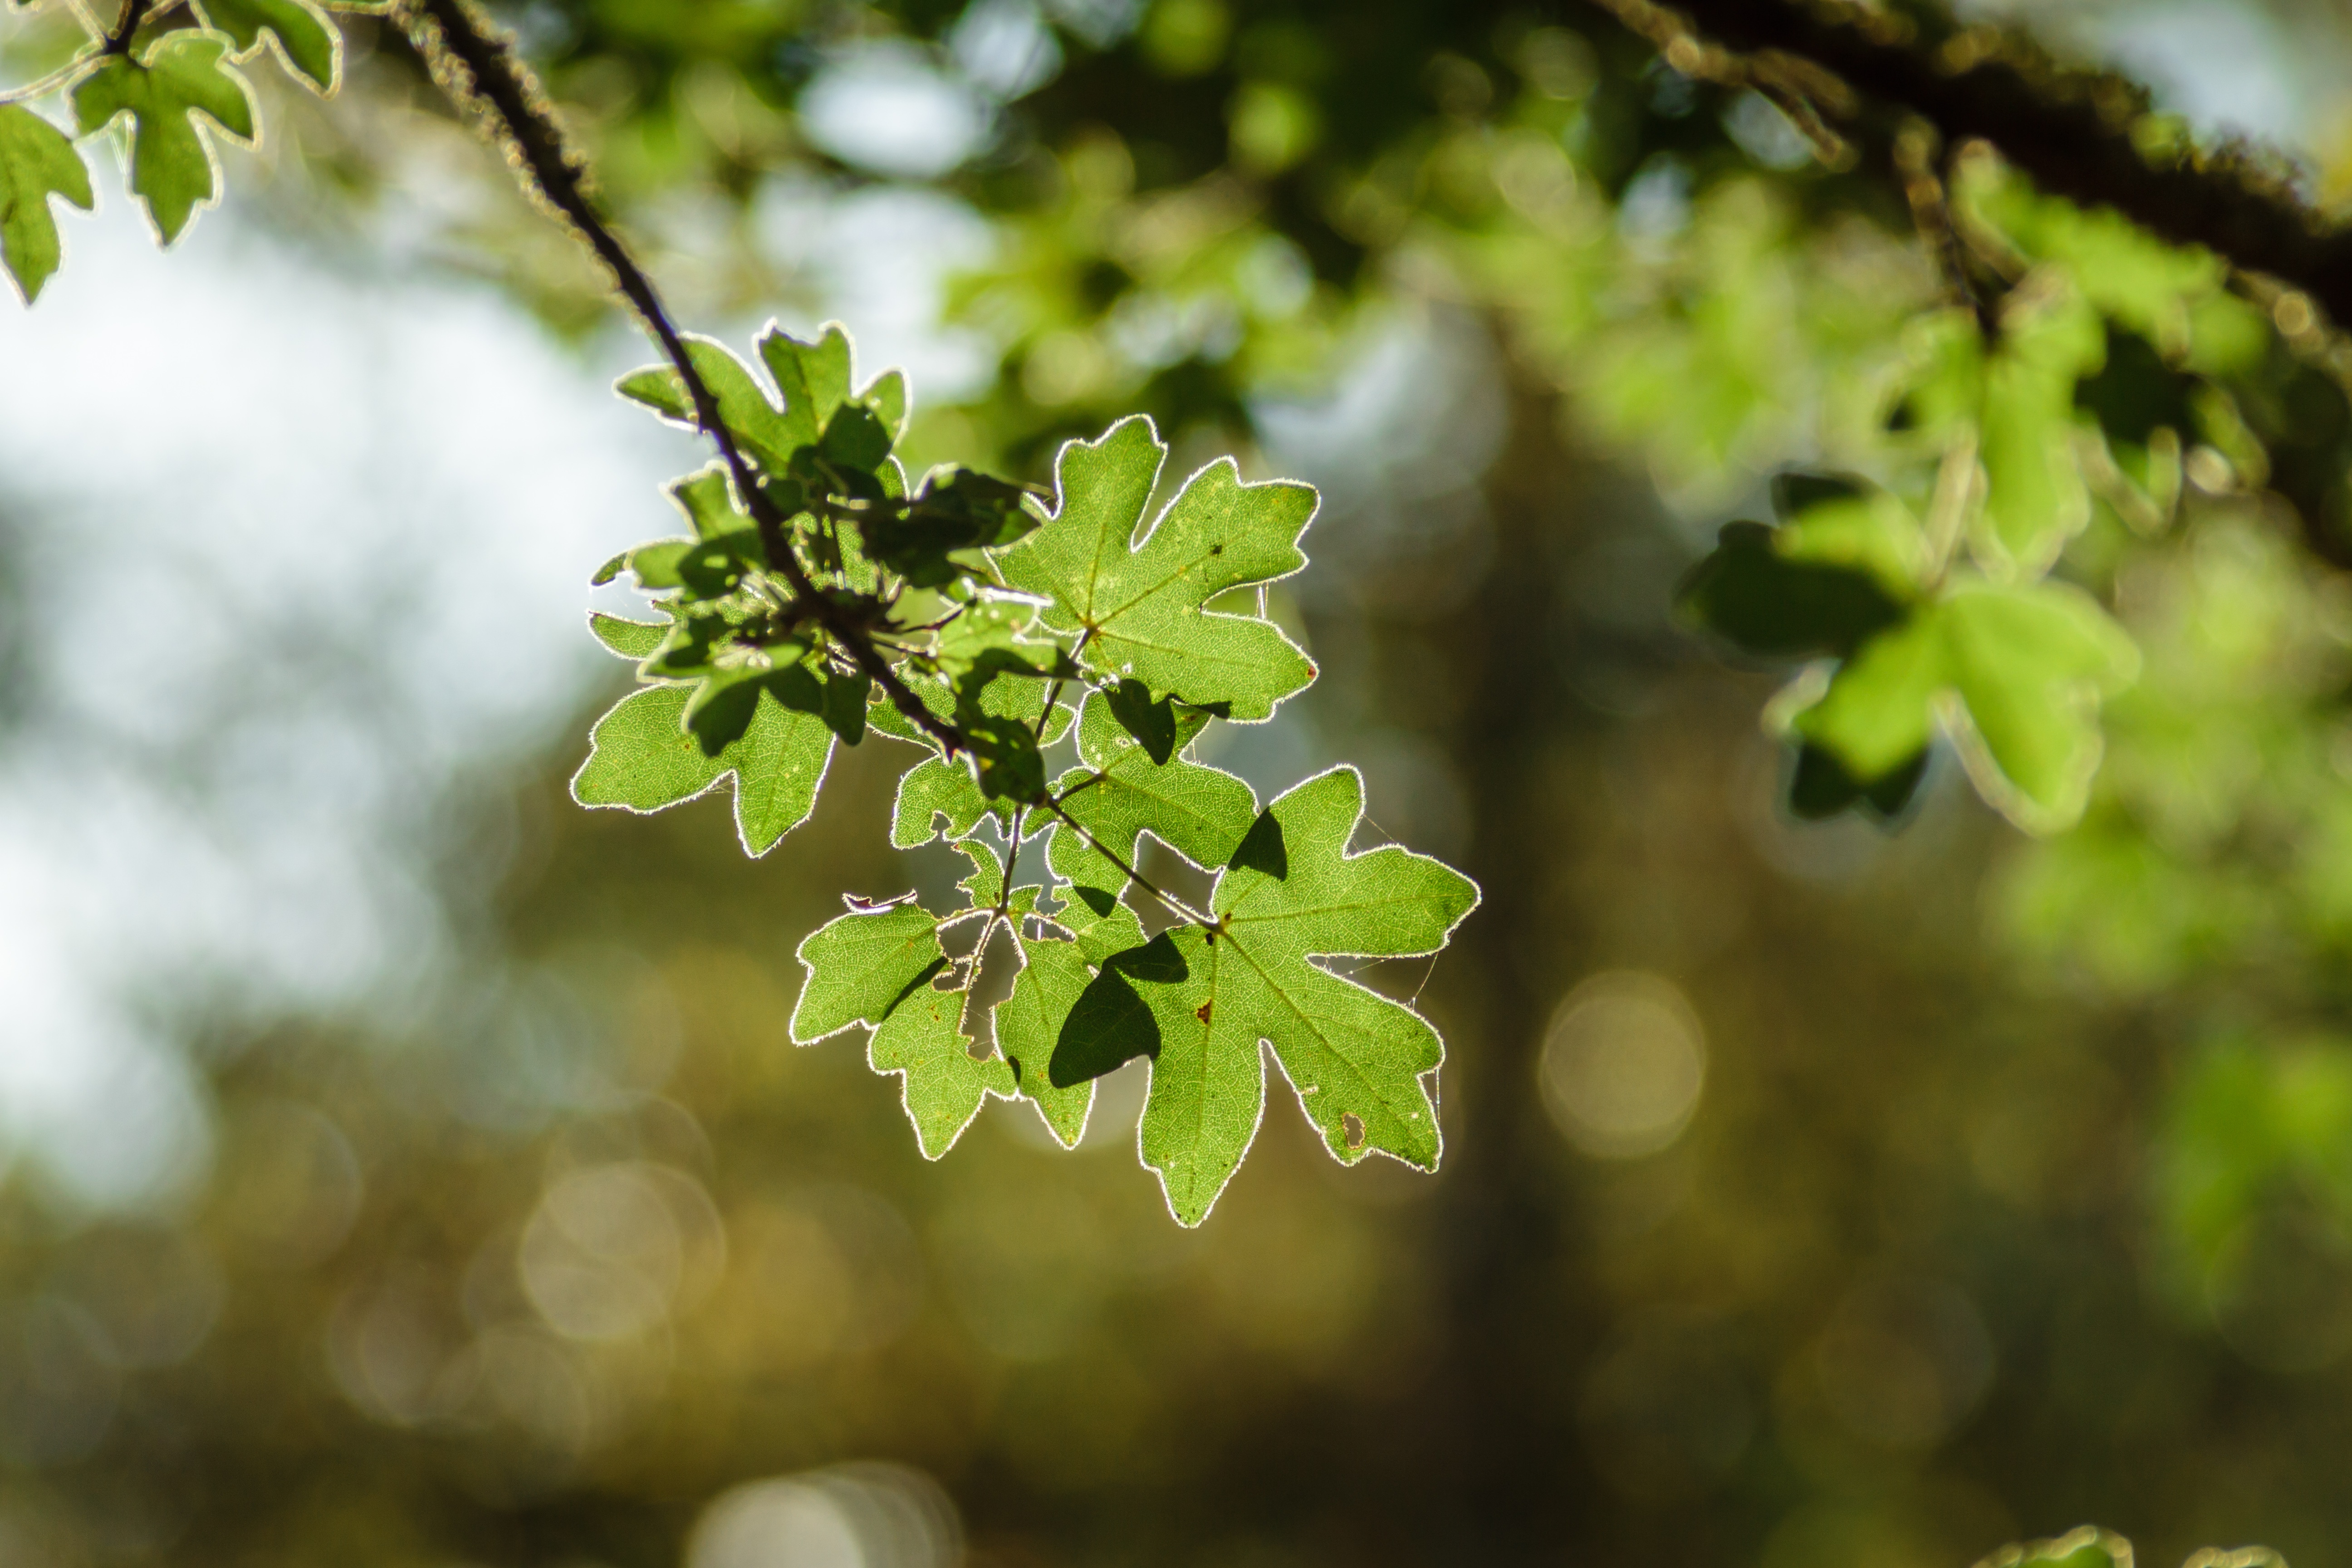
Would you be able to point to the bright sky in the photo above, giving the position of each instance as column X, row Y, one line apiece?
column 293, row 546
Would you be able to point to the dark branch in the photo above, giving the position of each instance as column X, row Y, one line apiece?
column 2081, row 135
column 1174, row 905
column 1923, row 189
column 481, row 74
column 118, row 42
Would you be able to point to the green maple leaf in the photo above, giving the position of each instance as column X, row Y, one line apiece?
column 818, row 413
column 1138, row 607
column 1751, row 592
column 643, row 758
column 861, row 965
column 1056, row 972
column 814, row 377
column 934, row 789
column 1119, row 793
column 635, row 641
column 2017, row 671
column 1199, row 1002
column 1053, row 974
column 875, row 967
column 174, row 168
column 306, row 42
column 37, row 160
column 1844, row 566
column 2030, row 666
column 942, row 1083
column 2015, row 399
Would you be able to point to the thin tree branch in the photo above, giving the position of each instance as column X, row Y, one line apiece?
column 1924, row 190
column 1012, row 859
column 1085, row 784
column 482, row 75
column 1053, row 692
column 118, row 42
column 1175, row 905
column 2087, row 136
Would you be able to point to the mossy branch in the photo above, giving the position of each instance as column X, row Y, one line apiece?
column 478, row 69
column 2089, row 136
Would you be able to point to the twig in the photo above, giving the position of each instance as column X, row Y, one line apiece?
column 490, row 82
column 1176, row 906
column 1796, row 86
column 1012, row 859
column 118, row 42
column 1053, row 692
column 481, row 74
column 1087, row 783
column 1931, row 213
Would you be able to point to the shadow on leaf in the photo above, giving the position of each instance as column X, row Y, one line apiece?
column 1111, row 1024
column 1264, row 849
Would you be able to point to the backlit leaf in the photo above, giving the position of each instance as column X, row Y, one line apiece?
column 936, row 788
column 2030, row 665
column 643, row 758
column 943, row 1084
column 1769, row 606
column 1139, row 607
column 874, row 968
column 633, row 641
column 174, row 168
column 2022, row 667
column 1199, row 1002
column 1120, row 793
column 306, row 40
column 1878, row 712
column 861, row 965
column 1054, row 975
column 2034, row 495
column 37, row 160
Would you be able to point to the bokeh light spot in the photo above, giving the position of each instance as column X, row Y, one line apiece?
column 1623, row 1063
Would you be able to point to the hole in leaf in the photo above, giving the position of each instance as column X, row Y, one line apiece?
column 1352, row 1128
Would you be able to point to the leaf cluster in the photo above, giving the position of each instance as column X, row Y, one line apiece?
column 1013, row 629
column 1937, row 602
column 175, row 87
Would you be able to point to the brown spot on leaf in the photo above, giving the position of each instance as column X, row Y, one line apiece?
column 1201, row 1012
